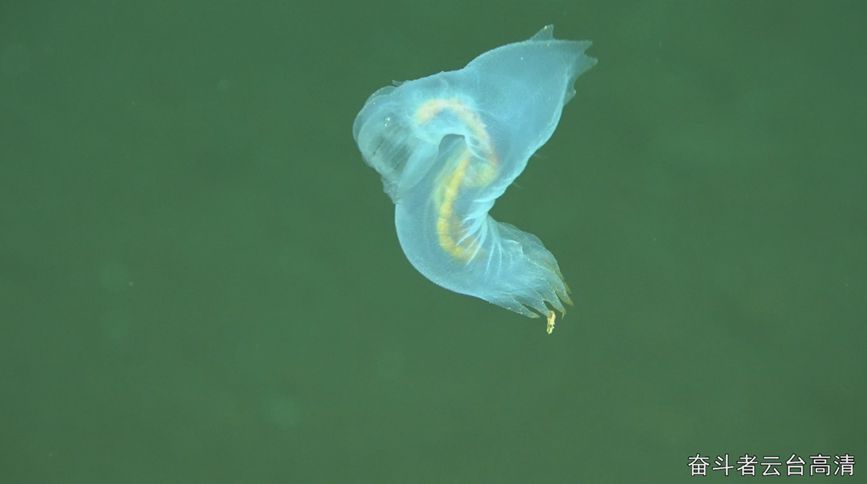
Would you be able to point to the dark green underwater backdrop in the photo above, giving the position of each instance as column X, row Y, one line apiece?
column 200, row 280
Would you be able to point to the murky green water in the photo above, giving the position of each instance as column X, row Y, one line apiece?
column 200, row 280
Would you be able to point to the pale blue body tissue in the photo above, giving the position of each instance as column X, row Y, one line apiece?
column 448, row 145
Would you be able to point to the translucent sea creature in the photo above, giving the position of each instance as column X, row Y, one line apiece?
column 448, row 145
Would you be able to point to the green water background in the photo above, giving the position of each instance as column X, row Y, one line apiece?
column 200, row 280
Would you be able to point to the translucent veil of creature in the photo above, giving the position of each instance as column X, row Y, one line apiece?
column 448, row 145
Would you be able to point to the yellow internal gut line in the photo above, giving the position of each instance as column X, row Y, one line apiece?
column 463, row 174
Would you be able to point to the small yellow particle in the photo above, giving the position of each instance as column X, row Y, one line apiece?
column 552, row 318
